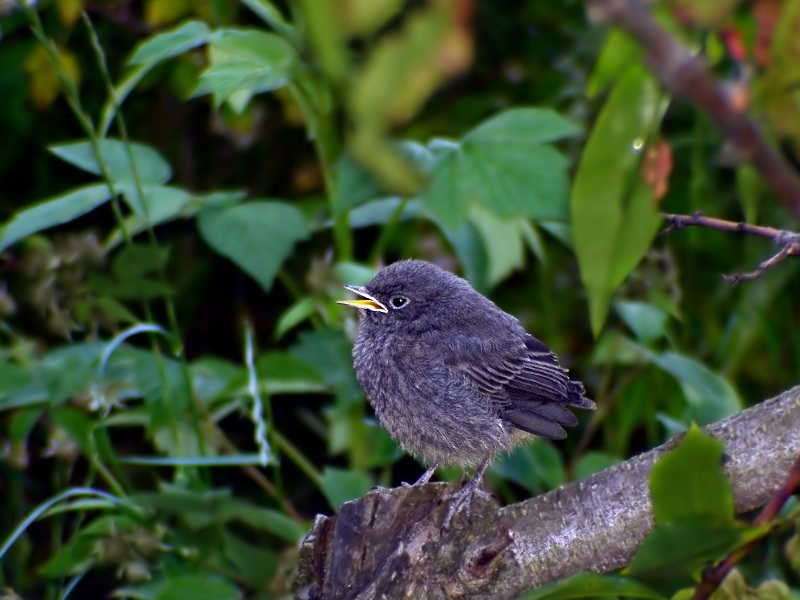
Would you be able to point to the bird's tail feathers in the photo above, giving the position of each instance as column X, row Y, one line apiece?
column 576, row 398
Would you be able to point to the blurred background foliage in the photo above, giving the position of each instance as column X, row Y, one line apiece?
column 188, row 184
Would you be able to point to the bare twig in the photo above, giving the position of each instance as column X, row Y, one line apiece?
column 684, row 74
column 789, row 241
column 713, row 578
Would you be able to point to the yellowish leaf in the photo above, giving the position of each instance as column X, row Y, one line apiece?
column 44, row 85
column 165, row 12
column 69, row 11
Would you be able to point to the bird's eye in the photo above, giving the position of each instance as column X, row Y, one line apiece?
column 398, row 302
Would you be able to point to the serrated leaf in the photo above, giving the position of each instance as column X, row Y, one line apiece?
column 55, row 211
column 171, row 43
column 340, row 486
column 258, row 236
column 505, row 167
column 614, row 218
column 150, row 166
column 690, row 483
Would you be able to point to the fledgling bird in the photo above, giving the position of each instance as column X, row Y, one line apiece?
column 453, row 378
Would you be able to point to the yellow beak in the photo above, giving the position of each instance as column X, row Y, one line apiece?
column 369, row 303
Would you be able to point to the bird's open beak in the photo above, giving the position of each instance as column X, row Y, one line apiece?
column 370, row 303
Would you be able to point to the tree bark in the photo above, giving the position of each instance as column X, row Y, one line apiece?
column 387, row 544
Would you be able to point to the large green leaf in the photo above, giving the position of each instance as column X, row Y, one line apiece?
column 150, row 166
column 56, row 211
column 258, row 236
column 689, row 482
column 171, row 43
column 614, row 218
column 244, row 63
column 503, row 166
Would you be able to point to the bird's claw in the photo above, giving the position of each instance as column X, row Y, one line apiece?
column 462, row 499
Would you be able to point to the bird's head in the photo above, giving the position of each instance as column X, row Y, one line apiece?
column 413, row 291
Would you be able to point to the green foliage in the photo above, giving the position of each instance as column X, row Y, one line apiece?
column 135, row 409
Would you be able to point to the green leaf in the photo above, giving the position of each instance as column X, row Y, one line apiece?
column 171, row 43
column 340, row 486
column 296, row 314
column 258, row 236
column 244, row 63
column 137, row 260
column 254, row 564
column 55, row 211
column 330, row 352
column 537, row 467
column 77, row 425
column 22, row 423
column 151, row 167
column 592, row 585
column 618, row 52
column 710, row 396
column 504, row 243
column 676, row 552
column 503, row 166
column 613, row 215
column 645, row 320
column 262, row 519
column 689, row 482
column 286, row 374
column 197, row 587
column 354, row 185
column 163, row 204
column 211, row 376
column 270, row 14
column 68, row 371
column 594, row 462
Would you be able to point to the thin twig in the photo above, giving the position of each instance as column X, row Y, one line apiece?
column 789, row 241
column 713, row 578
column 684, row 74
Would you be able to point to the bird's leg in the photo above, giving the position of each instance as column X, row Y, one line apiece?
column 426, row 476
column 463, row 498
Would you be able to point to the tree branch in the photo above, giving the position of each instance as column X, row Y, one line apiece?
column 684, row 74
column 788, row 240
column 387, row 544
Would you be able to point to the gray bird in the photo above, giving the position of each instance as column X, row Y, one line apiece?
column 452, row 378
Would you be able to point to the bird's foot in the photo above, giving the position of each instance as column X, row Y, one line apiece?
column 426, row 477
column 463, row 499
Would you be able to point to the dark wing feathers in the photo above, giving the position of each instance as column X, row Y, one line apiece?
column 531, row 389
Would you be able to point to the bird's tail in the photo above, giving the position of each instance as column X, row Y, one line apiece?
column 576, row 398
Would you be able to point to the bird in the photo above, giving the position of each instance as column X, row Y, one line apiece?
column 454, row 379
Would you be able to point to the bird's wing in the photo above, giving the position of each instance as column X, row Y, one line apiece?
column 531, row 390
